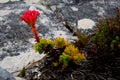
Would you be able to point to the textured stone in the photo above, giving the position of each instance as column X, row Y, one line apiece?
column 4, row 75
column 4, row 1
column 15, row 36
column 18, row 62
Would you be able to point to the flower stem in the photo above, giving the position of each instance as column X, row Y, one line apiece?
column 34, row 30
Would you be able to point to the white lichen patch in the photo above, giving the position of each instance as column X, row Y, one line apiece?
column 85, row 24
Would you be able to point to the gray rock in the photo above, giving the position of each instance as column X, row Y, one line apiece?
column 13, row 37
column 89, row 9
column 4, row 75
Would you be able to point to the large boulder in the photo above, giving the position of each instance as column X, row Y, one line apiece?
column 4, row 75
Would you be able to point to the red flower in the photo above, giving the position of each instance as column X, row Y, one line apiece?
column 30, row 18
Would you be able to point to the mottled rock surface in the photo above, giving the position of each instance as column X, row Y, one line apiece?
column 4, row 75
column 16, row 37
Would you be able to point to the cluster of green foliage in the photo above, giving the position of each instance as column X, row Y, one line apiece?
column 107, row 39
column 69, row 54
column 83, row 39
column 60, row 42
column 22, row 72
column 44, row 45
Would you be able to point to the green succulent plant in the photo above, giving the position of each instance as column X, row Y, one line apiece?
column 68, row 54
column 43, row 45
column 70, row 50
column 64, row 58
column 78, row 58
column 60, row 42
column 71, row 53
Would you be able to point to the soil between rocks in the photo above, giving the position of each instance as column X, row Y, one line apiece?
column 97, row 68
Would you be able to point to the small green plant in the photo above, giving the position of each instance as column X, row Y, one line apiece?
column 64, row 59
column 107, row 39
column 67, row 53
column 44, row 45
column 22, row 72
column 115, row 43
column 60, row 42
column 70, row 54
column 83, row 39
column 70, row 50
